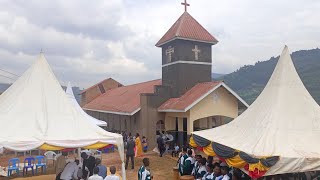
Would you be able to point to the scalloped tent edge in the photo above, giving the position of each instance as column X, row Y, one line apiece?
column 36, row 113
column 284, row 122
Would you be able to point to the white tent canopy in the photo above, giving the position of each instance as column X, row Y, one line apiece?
column 36, row 112
column 73, row 100
column 283, row 121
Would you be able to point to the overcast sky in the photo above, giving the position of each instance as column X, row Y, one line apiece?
column 86, row 41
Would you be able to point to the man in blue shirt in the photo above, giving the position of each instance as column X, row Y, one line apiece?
column 102, row 168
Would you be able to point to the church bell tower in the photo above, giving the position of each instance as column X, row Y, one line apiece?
column 186, row 54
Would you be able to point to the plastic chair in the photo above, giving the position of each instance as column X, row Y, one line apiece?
column 50, row 155
column 41, row 162
column 13, row 165
column 28, row 163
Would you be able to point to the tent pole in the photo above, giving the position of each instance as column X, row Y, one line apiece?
column 79, row 154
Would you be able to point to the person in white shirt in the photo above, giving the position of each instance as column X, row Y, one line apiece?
column 209, row 175
column 95, row 175
column 225, row 171
column 202, row 170
column 113, row 175
column 70, row 171
column 196, row 164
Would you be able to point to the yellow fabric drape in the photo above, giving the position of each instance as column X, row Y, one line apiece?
column 49, row 147
column 192, row 142
column 258, row 166
column 96, row 146
column 236, row 162
column 209, row 151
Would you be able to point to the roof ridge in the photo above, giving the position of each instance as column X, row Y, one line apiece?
column 124, row 86
column 210, row 82
column 139, row 83
column 180, row 21
column 96, row 84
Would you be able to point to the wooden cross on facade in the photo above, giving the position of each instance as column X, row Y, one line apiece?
column 185, row 4
column 169, row 52
column 196, row 51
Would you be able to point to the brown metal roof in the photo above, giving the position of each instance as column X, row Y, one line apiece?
column 186, row 27
column 123, row 100
column 191, row 96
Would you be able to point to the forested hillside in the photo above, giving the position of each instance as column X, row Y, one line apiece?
column 249, row 80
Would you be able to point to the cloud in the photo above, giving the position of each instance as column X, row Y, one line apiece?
column 96, row 20
column 86, row 42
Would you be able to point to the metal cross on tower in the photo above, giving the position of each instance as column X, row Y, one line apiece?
column 196, row 51
column 185, row 5
column 169, row 52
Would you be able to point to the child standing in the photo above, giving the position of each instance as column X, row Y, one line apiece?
column 175, row 151
column 144, row 173
column 144, row 144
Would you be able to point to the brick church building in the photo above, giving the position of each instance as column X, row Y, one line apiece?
column 184, row 100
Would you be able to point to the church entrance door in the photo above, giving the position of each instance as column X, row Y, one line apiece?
column 185, row 130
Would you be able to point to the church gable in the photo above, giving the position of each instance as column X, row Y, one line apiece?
column 96, row 90
column 197, row 94
column 219, row 102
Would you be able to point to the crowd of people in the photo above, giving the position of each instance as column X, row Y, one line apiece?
column 188, row 163
column 90, row 168
column 210, row 168
column 141, row 145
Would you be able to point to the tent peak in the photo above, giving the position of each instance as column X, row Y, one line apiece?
column 285, row 50
column 283, row 121
column 41, row 56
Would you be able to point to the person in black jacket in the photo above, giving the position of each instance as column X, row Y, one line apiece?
column 89, row 162
column 161, row 145
column 130, row 152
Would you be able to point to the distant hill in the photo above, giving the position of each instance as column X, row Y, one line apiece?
column 216, row 75
column 249, row 80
